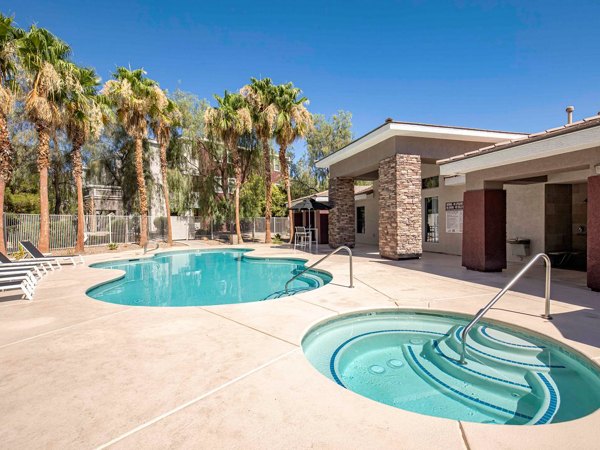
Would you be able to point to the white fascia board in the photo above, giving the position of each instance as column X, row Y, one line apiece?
column 455, row 180
column 414, row 130
column 562, row 144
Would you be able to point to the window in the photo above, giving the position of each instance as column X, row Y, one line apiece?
column 360, row 219
column 276, row 164
column 431, row 219
column 430, row 182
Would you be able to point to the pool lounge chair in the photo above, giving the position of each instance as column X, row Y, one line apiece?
column 21, row 270
column 6, row 262
column 24, row 283
column 35, row 253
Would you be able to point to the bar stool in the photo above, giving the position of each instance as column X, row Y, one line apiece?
column 301, row 237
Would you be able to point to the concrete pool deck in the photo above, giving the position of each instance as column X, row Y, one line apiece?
column 81, row 373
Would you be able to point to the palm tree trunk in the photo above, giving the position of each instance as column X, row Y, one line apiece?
column 163, row 171
column 141, row 182
column 285, row 170
column 237, row 163
column 43, row 163
column 268, row 188
column 6, row 156
column 77, row 173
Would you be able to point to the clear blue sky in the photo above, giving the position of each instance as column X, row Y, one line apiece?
column 510, row 65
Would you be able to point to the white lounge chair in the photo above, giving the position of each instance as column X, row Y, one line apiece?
column 24, row 283
column 44, row 265
column 36, row 254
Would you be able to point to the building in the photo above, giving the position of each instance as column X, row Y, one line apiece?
column 320, row 218
column 490, row 196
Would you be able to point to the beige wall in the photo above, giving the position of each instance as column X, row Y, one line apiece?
column 371, row 204
column 574, row 161
column 450, row 243
column 525, row 217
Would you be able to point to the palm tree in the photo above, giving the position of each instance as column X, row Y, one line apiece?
column 83, row 120
column 162, row 123
column 260, row 95
column 228, row 122
column 45, row 59
column 136, row 99
column 293, row 122
column 9, row 36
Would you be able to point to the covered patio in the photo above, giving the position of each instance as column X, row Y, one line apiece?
column 544, row 188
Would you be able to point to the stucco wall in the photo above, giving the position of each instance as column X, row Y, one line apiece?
column 450, row 243
column 371, row 234
column 525, row 217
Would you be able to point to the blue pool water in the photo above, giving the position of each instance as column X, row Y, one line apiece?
column 410, row 360
column 204, row 277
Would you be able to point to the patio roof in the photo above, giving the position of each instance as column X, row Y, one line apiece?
column 392, row 128
column 564, row 139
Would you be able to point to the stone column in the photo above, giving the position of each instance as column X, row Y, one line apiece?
column 484, row 230
column 342, row 213
column 593, row 233
column 400, row 215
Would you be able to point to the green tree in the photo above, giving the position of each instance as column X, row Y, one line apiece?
column 9, row 36
column 293, row 121
column 163, row 121
column 260, row 95
column 228, row 122
column 136, row 99
column 83, row 120
column 326, row 137
column 45, row 58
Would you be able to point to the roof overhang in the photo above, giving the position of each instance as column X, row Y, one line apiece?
column 393, row 129
column 527, row 151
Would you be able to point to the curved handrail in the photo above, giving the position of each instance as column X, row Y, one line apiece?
column 499, row 295
column 155, row 248
column 342, row 247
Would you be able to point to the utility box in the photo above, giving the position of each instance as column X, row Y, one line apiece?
column 520, row 247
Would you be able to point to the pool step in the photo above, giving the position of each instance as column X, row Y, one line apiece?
column 507, row 359
column 499, row 402
column 499, row 340
column 443, row 356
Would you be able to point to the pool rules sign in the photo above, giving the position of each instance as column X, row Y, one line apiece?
column 454, row 217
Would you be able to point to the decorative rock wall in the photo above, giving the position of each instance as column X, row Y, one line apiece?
column 400, row 215
column 342, row 215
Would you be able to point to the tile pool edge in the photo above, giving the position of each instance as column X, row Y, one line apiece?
column 582, row 355
column 169, row 252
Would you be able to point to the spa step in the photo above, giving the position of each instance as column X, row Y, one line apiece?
column 496, row 357
column 501, row 405
column 440, row 354
column 499, row 340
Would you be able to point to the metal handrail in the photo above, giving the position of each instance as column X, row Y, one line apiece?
column 342, row 247
column 499, row 295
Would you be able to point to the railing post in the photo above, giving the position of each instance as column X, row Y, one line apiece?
column 499, row 295
column 110, row 229
column 127, row 229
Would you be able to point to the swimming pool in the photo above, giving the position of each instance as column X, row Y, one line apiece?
column 409, row 360
column 204, row 277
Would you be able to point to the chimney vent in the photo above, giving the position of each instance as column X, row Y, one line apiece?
column 570, row 110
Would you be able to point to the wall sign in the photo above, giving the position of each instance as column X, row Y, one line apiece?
column 454, row 217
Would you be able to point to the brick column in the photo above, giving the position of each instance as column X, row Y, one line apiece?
column 341, row 216
column 593, row 233
column 484, row 230
column 400, row 215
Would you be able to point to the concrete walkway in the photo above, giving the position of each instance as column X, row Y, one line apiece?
column 80, row 373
